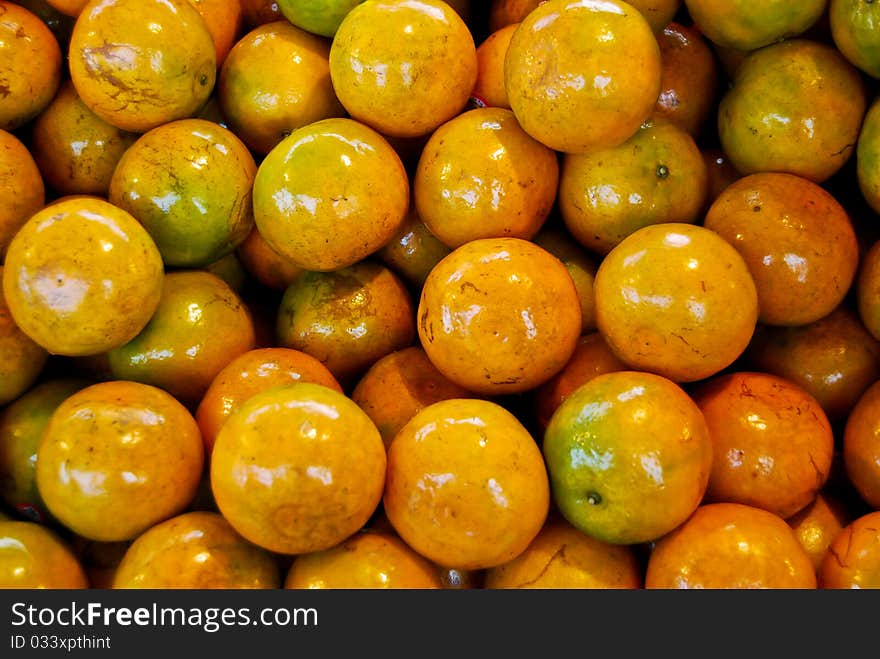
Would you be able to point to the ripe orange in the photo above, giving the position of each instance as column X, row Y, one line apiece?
column 21, row 359
column 853, row 559
column 265, row 264
column 581, row 266
column 861, row 446
column 223, row 18
column 413, row 251
column 21, row 187
column 32, row 556
column 489, row 88
column 817, row 525
column 868, row 290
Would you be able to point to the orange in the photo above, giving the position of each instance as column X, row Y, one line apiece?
column 508, row 12
column 868, row 290
column 333, row 178
column 403, row 67
column 398, row 386
column 21, row 428
column 656, row 176
column 30, row 66
column 76, row 150
column 747, row 25
column 853, row 29
column 249, row 374
column 489, row 89
column 677, row 300
column 367, row 560
column 560, row 556
column 195, row 550
column 629, row 456
column 32, row 556
column 721, row 173
column 413, row 251
column 729, row 545
column 347, row 319
column 223, row 18
column 570, row 60
column 580, row 265
column 834, row 359
column 199, row 327
column 260, row 12
column 499, row 315
column 772, row 442
column 794, row 107
column 188, row 182
column 138, row 64
column 21, row 359
column 689, row 79
column 796, row 239
column 853, row 559
column 21, row 187
column 263, row 109
column 466, row 484
column 318, row 16
column 868, row 157
column 658, row 13
column 68, row 7
column 591, row 358
column 861, row 446
column 82, row 276
column 482, row 176
column 817, row 525
column 117, row 458
column 265, row 264
column 230, row 270
column 299, row 468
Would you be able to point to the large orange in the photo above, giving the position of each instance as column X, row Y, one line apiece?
column 32, row 556
column 861, row 446
column 853, row 559
column 21, row 187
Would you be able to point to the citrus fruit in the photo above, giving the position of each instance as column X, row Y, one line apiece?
column 21, row 359
column 318, row 16
column 489, row 89
column 21, row 187
column 508, row 12
column 721, row 173
column 853, row 559
column 853, row 28
column 817, row 525
column 223, row 20
column 265, row 264
column 868, row 157
column 413, row 251
column 868, row 290
column 861, row 446
column 260, row 12
column 32, row 556
column 581, row 266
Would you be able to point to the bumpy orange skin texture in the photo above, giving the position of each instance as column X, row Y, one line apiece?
column 861, row 446
column 189, row 183
column 629, row 456
column 330, row 194
column 403, row 68
column 677, row 300
column 868, row 157
column 265, row 264
column 853, row 28
column 263, row 109
column 794, row 107
column 570, row 60
column 772, row 442
column 82, row 276
column 658, row 175
column 853, row 559
column 400, row 385
column 817, row 525
column 299, row 468
column 223, row 20
column 868, row 290
column 249, row 374
column 580, row 265
column 489, row 87
column 32, row 556
column 118, row 457
column 199, row 327
column 370, row 560
column 21, row 360
column 797, row 241
column 482, row 176
column 834, row 359
column 499, row 315
column 413, row 251
column 347, row 319
column 729, row 545
column 21, row 188
column 131, row 67
column 462, row 465
column 563, row 557
column 195, row 550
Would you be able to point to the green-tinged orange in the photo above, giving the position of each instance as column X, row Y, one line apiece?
column 868, row 157
column 413, row 251
column 854, row 30
column 581, row 267
column 318, row 16
column 32, row 556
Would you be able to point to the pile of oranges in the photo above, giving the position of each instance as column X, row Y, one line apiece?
column 417, row 294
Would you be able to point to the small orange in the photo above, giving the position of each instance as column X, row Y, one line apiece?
column 299, row 468
column 508, row 12
column 482, row 176
column 195, row 550
column 223, row 18
column 466, row 485
column 729, row 545
column 817, row 525
column 560, row 556
column 414, row 251
column 853, row 29
column 317, row 16
column 249, row 374
column 489, row 88
column 21, row 188
column 21, row 359
column 366, row 560
column 32, row 556
column 499, row 315
column 861, row 446
column 580, row 265
column 853, row 559
column 629, row 456
column 265, row 264
column 117, row 458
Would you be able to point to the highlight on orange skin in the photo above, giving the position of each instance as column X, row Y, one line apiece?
column 32, row 556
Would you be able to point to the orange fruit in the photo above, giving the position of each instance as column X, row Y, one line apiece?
column 117, row 458
column 369, row 560
column 260, row 12
column 32, row 556
column 868, row 290
column 338, row 178
column 223, row 18
column 580, row 265
column 30, row 66
column 853, row 24
column 195, row 550
column 868, row 157
column 560, row 556
column 721, row 173
column 131, row 66
column 861, row 446
column 82, row 277
column 629, row 456
column 403, row 67
column 772, row 442
column 265, row 264
column 68, row 7
column 729, row 545
column 466, row 484
column 249, row 374
column 499, row 315
column 658, row 13
column 677, row 300
column 853, row 559
column 508, row 12
column 318, row 16
column 21, row 359
column 656, row 176
column 262, row 110
column 817, row 525
column 21, row 187
column 413, row 251
column 298, row 469
column 489, row 89
column 482, row 176
column 230, row 270
column 569, row 60
column 796, row 239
